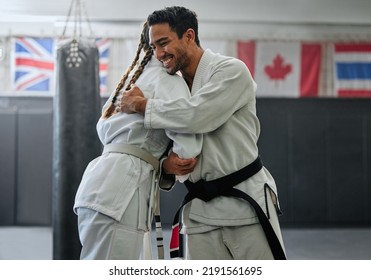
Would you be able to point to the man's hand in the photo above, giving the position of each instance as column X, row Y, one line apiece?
column 133, row 101
column 177, row 166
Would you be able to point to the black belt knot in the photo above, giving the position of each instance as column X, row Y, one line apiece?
column 224, row 186
column 207, row 190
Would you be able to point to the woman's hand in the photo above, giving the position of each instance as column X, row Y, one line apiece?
column 178, row 166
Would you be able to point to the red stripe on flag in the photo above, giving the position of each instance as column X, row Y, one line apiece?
column 102, row 42
column 25, row 84
column 353, row 47
column 30, row 47
column 246, row 52
column 35, row 63
column 103, row 67
column 310, row 69
column 354, row 93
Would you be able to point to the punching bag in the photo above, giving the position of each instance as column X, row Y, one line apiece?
column 76, row 111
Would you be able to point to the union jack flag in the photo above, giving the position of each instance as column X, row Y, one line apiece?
column 34, row 59
column 33, row 64
column 103, row 48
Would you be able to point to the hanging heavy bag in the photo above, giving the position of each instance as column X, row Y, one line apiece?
column 76, row 112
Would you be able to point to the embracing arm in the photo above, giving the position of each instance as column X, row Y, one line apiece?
column 133, row 101
column 186, row 147
column 229, row 88
column 173, row 165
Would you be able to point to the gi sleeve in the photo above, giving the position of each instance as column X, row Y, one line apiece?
column 228, row 86
column 184, row 145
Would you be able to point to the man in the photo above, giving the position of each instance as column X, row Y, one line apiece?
column 223, row 219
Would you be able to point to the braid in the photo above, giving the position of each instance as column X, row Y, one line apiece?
column 111, row 108
column 143, row 64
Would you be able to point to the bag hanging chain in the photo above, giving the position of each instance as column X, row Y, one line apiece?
column 73, row 59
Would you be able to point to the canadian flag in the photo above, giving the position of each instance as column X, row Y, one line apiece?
column 283, row 69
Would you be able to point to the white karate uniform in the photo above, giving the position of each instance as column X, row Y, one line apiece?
column 115, row 196
column 222, row 107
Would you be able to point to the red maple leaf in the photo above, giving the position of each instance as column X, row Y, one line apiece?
column 278, row 70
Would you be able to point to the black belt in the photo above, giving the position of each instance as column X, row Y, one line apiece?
column 224, row 186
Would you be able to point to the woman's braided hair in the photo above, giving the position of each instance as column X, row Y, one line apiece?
column 143, row 45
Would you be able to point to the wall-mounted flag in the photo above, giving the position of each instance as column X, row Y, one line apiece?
column 32, row 64
column 283, row 69
column 104, row 49
column 352, row 69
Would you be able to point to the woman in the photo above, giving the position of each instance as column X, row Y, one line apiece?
column 116, row 196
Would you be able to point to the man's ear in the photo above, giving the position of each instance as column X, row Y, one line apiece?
column 190, row 34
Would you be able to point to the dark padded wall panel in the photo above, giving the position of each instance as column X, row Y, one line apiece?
column 307, row 159
column 34, row 167
column 367, row 173
column 7, row 166
column 318, row 150
column 345, row 170
column 274, row 149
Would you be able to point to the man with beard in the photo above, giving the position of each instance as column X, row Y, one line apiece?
column 231, row 208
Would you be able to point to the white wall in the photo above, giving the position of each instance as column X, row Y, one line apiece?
column 218, row 18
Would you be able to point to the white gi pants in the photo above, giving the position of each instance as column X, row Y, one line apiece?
column 234, row 243
column 104, row 238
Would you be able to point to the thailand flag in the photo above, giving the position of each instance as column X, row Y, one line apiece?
column 33, row 64
column 283, row 69
column 103, row 46
column 352, row 70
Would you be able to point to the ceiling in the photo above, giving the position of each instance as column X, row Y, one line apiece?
column 354, row 11
column 115, row 16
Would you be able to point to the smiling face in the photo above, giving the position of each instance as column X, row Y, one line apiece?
column 168, row 48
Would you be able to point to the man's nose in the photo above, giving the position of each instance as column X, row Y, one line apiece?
column 159, row 53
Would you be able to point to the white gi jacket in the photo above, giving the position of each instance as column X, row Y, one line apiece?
column 110, row 181
column 222, row 107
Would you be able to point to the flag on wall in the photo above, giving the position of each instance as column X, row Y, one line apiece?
column 34, row 59
column 103, row 48
column 283, row 69
column 33, row 64
column 352, row 70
